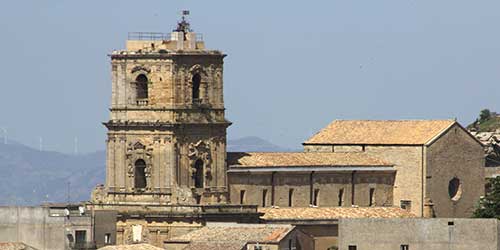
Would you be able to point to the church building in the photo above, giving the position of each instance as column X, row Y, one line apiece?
column 168, row 172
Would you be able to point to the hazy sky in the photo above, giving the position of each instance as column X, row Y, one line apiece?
column 292, row 66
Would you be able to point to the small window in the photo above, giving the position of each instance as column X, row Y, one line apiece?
column 140, row 180
column 352, row 247
column 405, row 204
column 80, row 236
column 196, row 87
column 316, row 197
column 290, row 197
column 404, row 247
column 451, row 223
column 341, row 197
column 107, row 238
column 257, row 247
column 264, row 197
column 372, row 197
column 242, row 197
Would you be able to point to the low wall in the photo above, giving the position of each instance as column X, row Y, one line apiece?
column 419, row 234
column 32, row 226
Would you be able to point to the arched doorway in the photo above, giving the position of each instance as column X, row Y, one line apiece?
column 140, row 174
column 198, row 174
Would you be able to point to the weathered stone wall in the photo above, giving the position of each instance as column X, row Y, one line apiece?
column 419, row 234
column 455, row 155
column 325, row 236
column 169, row 130
column 35, row 227
column 407, row 161
column 155, row 232
column 304, row 185
column 253, row 184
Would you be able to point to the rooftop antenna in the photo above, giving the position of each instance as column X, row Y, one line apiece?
column 183, row 25
column 69, row 188
column 4, row 135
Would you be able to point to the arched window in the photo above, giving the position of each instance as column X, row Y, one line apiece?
column 455, row 189
column 198, row 174
column 142, row 86
column 196, row 86
column 140, row 174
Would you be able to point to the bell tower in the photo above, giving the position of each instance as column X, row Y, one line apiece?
column 167, row 131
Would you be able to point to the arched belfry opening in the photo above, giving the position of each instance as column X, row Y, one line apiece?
column 196, row 86
column 142, row 86
column 198, row 174
column 140, row 174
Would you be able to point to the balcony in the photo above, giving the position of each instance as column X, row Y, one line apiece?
column 142, row 102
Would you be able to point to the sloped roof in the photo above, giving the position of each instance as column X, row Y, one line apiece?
column 318, row 213
column 205, row 245
column 290, row 159
column 222, row 232
column 382, row 132
column 15, row 246
column 131, row 247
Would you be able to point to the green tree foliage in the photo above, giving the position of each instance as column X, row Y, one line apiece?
column 489, row 206
column 484, row 115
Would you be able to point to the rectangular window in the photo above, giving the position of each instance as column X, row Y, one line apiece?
column 404, row 247
column 405, row 204
column 341, row 197
column 316, row 197
column 290, row 197
column 372, row 197
column 257, row 248
column 107, row 238
column 242, row 197
column 80, row 236
column 352, row 247
column 264, row 197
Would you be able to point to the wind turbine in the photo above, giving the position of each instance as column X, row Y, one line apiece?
column 4, row 135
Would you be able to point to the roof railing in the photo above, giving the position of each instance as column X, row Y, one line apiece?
column 156, row 36
column 149, row 36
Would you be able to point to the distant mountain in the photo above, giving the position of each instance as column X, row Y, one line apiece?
column 30, row 177
column 254, row 144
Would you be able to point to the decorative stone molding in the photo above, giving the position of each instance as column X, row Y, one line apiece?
column 200, row 151
column 140, row 68
column 136, row 151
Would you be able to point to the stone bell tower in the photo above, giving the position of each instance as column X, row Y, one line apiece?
column 167, row 132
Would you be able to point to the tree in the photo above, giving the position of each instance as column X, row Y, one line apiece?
column 484, row 115
column 489, row 205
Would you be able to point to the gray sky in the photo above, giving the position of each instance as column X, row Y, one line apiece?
column 292, row 66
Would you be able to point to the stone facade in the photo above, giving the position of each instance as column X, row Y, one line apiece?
column 328, row 189
column 425, row 171
column 166, row 146
column 418, row 234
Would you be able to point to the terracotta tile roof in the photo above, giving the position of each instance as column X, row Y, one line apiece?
column 222, row 232
column 287, row 159
column 399, row 132
column 131, row 247
column 15, row 246
column 235, row 245
column 318, row 213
